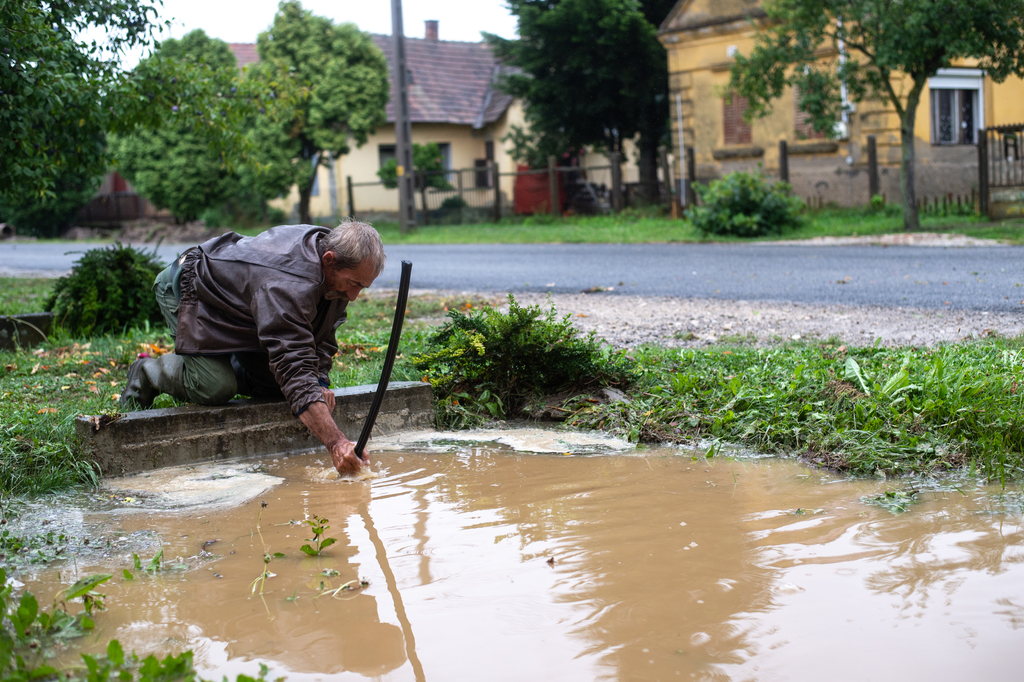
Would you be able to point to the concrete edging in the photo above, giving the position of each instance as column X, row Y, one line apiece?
column 24, row 331
column 150, row 439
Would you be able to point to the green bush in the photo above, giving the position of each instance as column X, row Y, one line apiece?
column 490, row 363
column 51, row 216
column 107, row 289
column 745, row 205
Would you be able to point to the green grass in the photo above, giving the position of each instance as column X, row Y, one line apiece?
column 43, row 390
column 651, row 226
column 21, row 295
column 899, row 411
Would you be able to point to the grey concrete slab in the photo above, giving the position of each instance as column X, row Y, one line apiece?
column 24, row 331
column 150, row 439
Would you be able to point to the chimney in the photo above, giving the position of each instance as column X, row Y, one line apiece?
column 431, row 29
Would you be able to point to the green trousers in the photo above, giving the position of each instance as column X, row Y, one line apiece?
column 214, row 379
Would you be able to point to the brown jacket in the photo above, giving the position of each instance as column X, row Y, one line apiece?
column 264, row 293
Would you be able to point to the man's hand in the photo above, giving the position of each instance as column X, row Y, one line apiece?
column 346, row 461
column 317, row 418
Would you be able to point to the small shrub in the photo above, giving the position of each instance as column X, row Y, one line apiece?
column 745, row 205
column 488, row 364
column 454, row 202
column 107, row 289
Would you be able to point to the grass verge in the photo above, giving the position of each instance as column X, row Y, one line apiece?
column 861, row 410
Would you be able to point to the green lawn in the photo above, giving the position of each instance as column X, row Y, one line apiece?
column 651, row 227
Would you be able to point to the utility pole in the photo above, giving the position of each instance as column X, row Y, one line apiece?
column 403, row 127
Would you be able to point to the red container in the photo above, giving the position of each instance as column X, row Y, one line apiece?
column 533, row 193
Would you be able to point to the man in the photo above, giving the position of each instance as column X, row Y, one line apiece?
column 258, row 316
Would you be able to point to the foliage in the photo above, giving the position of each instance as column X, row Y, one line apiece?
column 491, row 363
column 593, row 73
column 175, row 166
column 51, row 216
column 30, row 637
column 107, row 289
column 745, row 205
column 532, row 150
column 862, row 410
column 318, row 525
column 426, row 159
column 804, row 42
column 348, row 80
column 61, row 93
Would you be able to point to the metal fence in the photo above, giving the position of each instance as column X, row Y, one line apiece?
column 486, row 193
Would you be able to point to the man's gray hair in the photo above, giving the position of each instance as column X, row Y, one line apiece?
column 352, row 243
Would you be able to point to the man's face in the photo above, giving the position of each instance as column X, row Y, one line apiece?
column 346, row 283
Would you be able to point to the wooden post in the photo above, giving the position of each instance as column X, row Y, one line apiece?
column 497, row 192
column 462, row 201
column 873, row 184
column 554, row 205
column 666, row 174
column 691, row 177
column 422, row 175
column 783, row 161
column 983, row 172
column 616, row 161
column 351, row 197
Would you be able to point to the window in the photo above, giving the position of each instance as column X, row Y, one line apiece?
column 956, row 106
column 953, row 116
column 446, row 154
column 802, row 125
column 737, row 131
column 385, row 152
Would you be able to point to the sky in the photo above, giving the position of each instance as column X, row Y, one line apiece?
column 239, row 21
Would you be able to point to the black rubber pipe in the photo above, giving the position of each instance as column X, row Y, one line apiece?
column 389, row 358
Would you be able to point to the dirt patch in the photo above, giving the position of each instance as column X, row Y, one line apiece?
column 148, row 231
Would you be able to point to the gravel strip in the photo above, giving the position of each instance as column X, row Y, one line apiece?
column 629, row 321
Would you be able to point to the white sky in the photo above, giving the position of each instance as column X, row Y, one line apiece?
column 239, row 21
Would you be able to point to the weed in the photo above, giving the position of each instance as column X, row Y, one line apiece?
column 489, row 364
column 318, row 525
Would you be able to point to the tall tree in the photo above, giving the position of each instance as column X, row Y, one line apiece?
column 592, row 73
column 347, row 77
column 174, row 165
column 893, row 48
column 60, row 94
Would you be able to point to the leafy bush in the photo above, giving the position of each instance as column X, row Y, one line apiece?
column 51, row 216
column 745, row 205
column 106, row 290
column 490, row 363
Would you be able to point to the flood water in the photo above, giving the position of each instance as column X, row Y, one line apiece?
column 486, row 563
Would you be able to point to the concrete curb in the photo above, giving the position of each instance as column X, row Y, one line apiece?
column 150, row 439
column 24, row 331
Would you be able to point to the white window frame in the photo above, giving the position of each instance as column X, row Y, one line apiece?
column 957, row 79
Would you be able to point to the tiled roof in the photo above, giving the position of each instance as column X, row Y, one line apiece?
column 452, row 82
column 245, row 53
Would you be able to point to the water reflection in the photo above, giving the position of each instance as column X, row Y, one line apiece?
column 490, row 564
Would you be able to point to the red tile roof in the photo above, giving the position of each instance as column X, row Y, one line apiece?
column 451, row 82
column 245, row 53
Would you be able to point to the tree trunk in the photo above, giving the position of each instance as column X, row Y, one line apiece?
column 909, row 194
column 305, row 191
column 648, row 168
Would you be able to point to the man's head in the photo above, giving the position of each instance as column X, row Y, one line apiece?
column 352, row 256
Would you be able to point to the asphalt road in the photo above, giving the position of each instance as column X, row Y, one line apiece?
column 972, row 278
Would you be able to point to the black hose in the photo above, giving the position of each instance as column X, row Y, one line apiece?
column 389, row 358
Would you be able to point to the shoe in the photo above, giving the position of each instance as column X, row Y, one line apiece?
column 139, row 392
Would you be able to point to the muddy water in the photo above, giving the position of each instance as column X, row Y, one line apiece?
column 484, row 563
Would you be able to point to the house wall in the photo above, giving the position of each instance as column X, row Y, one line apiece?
column 826, row 171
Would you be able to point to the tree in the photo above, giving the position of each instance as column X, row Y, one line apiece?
column 593, row 73
column 426, row 159
column 175, row 166
column 893, row 49
column 61, row 94
column 347, row 78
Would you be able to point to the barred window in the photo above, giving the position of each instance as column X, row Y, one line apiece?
column 802, row 122
column 737, row 131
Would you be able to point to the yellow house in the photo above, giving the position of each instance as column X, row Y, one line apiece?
column 454, row 102
column 702, row 38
